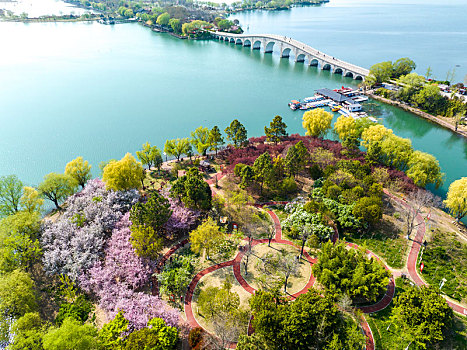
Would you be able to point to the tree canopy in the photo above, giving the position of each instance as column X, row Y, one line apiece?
column 424, row 169
column 421, row 316
column 276, row 131
column 163, row 19
column 71, row 335
column 80, row 170
column 192, row 190
column 205, row 237
column 456, row 200
column 309, row 322
column 11, row 190
column 200, row 138
column 57, row 187
column 350, row 272
column 317, row 122
column 236, row 133
column 177, row 147
column 215, row 139
column 124, row 174
column 150, row 155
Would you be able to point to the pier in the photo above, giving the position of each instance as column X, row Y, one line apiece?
column 301, row 51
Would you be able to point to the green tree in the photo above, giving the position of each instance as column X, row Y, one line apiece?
column 345, row 127
column 150, row 155
column 412, row 80
column 112, row 334
column 206, row 237
column 79, row 170
column 215, row 139
column 276, row 131
column 424, row 169
column 19, row 247
column 263, row 168
column 79, row 310
column 381, row 72
column 71, row 335
column 154, row 212
column 177, row 147
column 247, row 175
column 201, row 140
column 31, row 200
column 11, row 190
column 28, row 332
column 374, row 134
column 224, row 24
column 215, row 300
column 396, row 151
column 176, row 25
column 163, row 19
column 350, row 272
column 456, row 199
column 421, row 316
column 317, row 122
column 403, row 66
column 429, row 99
column 124, row 174
column 145, row 241
column 57, row 187
column 17, row 298
column 296, row 158
column 192, row 190
column 309, row 322
column 368, row 210
column 236, row 133
column 157, row 336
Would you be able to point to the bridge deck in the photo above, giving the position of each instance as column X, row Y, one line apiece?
column 328, row 59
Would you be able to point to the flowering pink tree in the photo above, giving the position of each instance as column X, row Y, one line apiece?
column 115, row 282
column 75, row 242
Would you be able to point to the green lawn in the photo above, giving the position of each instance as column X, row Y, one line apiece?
column 385, row 241
column 446, row 257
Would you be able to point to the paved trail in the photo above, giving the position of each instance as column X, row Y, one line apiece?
column 236, row 266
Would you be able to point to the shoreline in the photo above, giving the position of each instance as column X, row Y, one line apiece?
column 419, row 113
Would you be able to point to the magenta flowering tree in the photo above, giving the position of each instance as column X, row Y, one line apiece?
column 74, row 243
column 183, row 219
column 116, row 280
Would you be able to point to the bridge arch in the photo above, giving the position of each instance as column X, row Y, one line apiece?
column 327, row 66
column 314, row 62
column 239, row 42
column 286, row 52
column 300, row 58
column 226, row 38
column 338, row 70
column 349, row 75
column 358, row 77
column 247, row 43
column 257, row 45
column 232, row 40
column 269, row 47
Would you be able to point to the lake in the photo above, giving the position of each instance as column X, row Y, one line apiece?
column 70, row 89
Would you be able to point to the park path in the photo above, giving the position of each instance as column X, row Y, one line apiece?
column 414, row 252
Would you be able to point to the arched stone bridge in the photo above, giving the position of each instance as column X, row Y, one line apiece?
column 287, row 46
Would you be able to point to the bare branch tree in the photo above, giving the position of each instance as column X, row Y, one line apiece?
column 418, row 200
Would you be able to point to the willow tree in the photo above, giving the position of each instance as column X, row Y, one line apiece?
column 424, row 169
column 317, row 122
column 123, row 174
column 456, row 200
column 80, row 170
column 200, row 139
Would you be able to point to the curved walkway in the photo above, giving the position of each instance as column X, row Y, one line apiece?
column 413, row 256
column 384, row 302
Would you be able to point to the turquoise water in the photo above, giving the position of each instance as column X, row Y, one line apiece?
column 432, row 33
column 70, row 89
